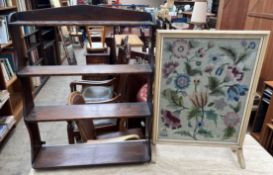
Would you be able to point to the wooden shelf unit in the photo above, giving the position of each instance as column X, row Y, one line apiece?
column 263, row 115
column 13, row 106
column 128, row 152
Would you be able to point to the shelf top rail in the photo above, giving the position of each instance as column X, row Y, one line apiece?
column 84, row 70
column 81, row 15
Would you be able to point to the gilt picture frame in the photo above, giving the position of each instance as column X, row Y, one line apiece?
column 205, row 85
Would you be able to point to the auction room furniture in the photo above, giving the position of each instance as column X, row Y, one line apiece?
column 128, row 152
column 261, row 127
column 87, row 127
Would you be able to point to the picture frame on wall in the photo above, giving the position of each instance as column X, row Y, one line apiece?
column 205, row 86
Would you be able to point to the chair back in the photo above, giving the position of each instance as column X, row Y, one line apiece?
column 86, row 127
column 93, row 30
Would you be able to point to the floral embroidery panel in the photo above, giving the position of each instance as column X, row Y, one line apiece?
column 204, row 87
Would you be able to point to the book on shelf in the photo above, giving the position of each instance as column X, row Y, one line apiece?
column 28, row 29
column 4, row 32
column 10, row 54
column 3, row 131
column 9, row 121
column 4, row 96
column 34, row 56
column 5, row 3
column 8, row 73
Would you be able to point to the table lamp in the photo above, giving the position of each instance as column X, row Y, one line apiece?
column 199, row 14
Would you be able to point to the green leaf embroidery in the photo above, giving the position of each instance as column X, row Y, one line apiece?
column 242, row 58
column 228, row 132
column 217, row 92
column 237, row 107
column 193, row 113
column 210, row 104
column 194, row 44
column 190, row 71
column 213, row 83
column 230, row 52
column 173, row 97
column 205, row 133
column 211, row 115
column 184, row 133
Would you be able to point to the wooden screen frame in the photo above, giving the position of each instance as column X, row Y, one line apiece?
column 262, row 35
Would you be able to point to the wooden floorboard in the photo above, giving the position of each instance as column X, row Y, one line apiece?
column 84, row 70
column 97, row 111
column 79, row 155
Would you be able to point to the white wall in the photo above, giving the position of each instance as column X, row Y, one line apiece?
column 152, row 3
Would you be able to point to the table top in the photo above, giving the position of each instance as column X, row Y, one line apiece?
column 134, row 40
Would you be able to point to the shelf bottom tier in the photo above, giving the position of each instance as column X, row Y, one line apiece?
column 78, row 155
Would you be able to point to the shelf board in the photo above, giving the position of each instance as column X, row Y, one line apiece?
column 79, row 155
column 85, row 70
column 48, row 44
column 7, row 8
column 2, row 103
column 11, row 81
column 33, row 46
column 31, row 33
column 3, row 46
column 97, row 111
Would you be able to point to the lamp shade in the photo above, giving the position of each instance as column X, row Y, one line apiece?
column 199, row 14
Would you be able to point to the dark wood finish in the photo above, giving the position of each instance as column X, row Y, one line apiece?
column 263, row 134
column 129, row 152
column 98, row 58
column 44, row 157
column 84, row 70
column 96, row 15
column 96, row 111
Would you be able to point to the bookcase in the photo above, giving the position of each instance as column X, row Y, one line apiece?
column 11, row 101
column 264, row 114
column 77, row 155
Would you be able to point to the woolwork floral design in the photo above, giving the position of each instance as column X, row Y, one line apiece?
column 204, row 87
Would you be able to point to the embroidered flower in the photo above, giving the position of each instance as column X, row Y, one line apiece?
column 215, row 58
column 200, row 124
column 231, row 119
column 209, row 68
column 252, row 45
column 169, row 68
column 233, row 73
column 170, row 120
column 201, row 52
column 182, row 81
column 198, row 63
column 244, row 43
column 234, row 92
column 219, row 71
column 211, row 44
column 180, row 48
column 199, row 99
column 220, row 104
